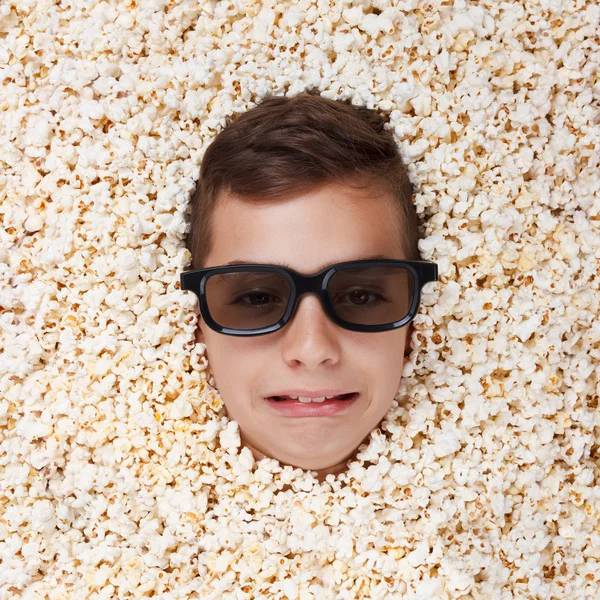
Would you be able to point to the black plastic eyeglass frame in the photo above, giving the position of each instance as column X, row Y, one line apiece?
column 422, row 271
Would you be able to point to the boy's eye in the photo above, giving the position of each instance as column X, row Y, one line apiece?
column 257, row 298
column 360, row 297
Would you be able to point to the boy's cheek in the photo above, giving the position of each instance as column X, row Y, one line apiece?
column 200, row 339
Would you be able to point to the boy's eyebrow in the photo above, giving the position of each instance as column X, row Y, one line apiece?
column 283, row 264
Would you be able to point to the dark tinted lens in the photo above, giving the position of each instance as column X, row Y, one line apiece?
column 371, row 295
column 256, row 299
column 247, row 299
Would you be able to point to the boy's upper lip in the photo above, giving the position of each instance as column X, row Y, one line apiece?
column 310, row 394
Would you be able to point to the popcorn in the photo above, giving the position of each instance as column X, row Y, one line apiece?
column 30, row 428
column 114, row 450
column 230, row 437
column 43, row 516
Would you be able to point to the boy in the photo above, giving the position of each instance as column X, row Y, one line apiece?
column 302, row 183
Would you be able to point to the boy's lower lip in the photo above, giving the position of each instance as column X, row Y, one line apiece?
column 327, row 408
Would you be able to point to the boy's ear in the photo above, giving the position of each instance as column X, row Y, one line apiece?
column 198, row 335
column 407, row 348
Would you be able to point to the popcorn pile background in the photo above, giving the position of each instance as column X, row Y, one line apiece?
column 120, row 474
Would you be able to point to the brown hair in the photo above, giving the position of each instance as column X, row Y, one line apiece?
column 288, row 145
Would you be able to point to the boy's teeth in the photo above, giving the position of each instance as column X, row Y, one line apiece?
column 307, row 400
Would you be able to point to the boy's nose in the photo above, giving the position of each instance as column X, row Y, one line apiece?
column 310, row 310
column 311, row 335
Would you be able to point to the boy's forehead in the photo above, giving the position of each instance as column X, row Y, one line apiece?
column 330, row 212
column 304, row 253
column 312, row 230
column 324, row 265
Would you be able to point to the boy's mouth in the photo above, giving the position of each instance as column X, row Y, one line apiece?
column 313, row 407
column 341, row 397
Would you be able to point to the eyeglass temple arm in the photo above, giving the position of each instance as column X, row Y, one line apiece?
column 427, row 270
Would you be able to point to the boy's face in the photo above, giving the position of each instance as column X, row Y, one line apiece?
column 333, row 222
